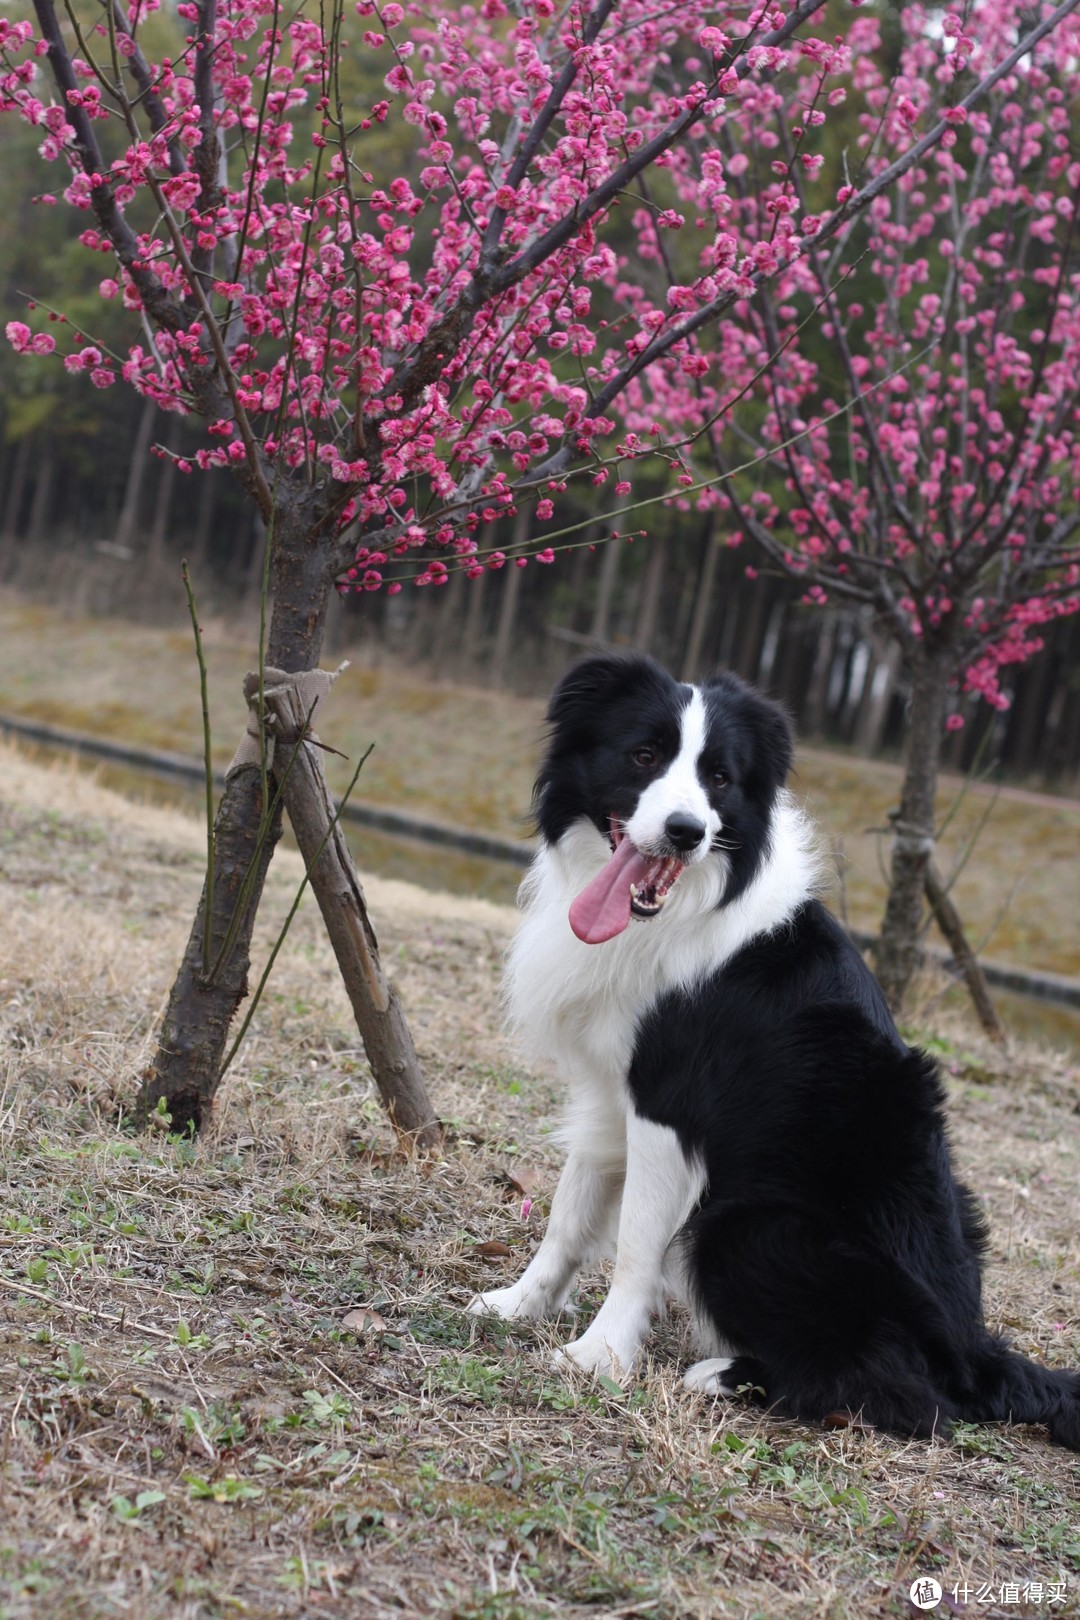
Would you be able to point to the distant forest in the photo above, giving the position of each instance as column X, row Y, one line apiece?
column 88, row 515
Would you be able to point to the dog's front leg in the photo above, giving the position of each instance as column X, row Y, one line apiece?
column 582, row 1215
column 662, row 1187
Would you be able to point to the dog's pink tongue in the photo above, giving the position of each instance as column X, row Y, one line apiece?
column 603, row 909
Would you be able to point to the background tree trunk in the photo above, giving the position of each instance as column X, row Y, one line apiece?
column 18, row 467
column 605, row 592
column 913, row 843
column 127, row 523
column 701, row 617
column 652, row 585
column 511, row 591
column 41, row 507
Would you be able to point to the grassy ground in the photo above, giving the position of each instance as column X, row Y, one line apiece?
column 469, row 757
column 236, row 1377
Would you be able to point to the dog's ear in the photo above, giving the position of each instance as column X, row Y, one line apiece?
column 584, row 692
column 774, row 741
column 766, row 738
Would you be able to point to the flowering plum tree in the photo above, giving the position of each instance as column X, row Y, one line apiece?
column 415, row 273
column 944, row 495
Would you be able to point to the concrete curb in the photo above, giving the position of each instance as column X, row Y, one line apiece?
column 1051, row 987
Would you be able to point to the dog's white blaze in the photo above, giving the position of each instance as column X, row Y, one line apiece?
column 680, row 789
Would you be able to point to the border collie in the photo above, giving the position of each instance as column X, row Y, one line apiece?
column 746, row 1126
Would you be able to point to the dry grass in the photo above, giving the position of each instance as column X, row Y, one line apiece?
column 188, row 1427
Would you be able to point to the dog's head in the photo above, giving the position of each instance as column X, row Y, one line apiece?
column 673, row 776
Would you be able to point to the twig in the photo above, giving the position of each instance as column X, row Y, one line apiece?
column 85, row 1310
column 208, row 765
column 286, row 925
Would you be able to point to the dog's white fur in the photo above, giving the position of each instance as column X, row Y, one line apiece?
column 679, row 790
column 627, row 1185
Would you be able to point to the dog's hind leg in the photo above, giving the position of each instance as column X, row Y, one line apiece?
column 725, row 1375
column 825, row 1323
column 582, row 1214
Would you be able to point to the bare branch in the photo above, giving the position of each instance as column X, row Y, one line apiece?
column 623, row 177
column 539, row 128
column 148, row 95
column 161, row 305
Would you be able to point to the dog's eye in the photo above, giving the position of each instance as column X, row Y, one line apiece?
column 644, row 756
column 719, row 779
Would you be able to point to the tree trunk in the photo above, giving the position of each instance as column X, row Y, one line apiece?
column 820, row 676
column 45, row 477
column 187, row 1065
column 877, row 698
column 447, row 638
column 702, row 614
column 199, row 545
column 472, row 633
column 913, row 843
column 600, row 628
column 159, row 523
column 20, row 464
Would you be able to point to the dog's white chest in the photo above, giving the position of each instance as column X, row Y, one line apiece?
column 579, row 1006
column 568, row 1002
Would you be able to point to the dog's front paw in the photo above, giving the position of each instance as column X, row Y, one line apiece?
column 593, row 1354
column 512, row 1304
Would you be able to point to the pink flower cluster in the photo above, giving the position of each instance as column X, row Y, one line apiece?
column 925, row 461
column 23, row 341
column 443, row 264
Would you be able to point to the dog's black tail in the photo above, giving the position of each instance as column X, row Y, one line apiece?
column 1008, row 1388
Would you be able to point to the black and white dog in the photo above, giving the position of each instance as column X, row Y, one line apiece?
column 746, row 1125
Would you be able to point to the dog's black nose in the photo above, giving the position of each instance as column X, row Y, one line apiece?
column 685, row 832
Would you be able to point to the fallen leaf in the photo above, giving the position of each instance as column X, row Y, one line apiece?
column 846, row 1420
column 493, row 1249
column 362, row 1319
column 521, row 1180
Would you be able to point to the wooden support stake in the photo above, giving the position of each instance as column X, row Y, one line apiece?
column 333, row 877
column 948, row 920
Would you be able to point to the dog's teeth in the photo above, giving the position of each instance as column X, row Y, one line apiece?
column 633, row 891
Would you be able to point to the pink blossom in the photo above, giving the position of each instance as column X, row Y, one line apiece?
column 353, row 261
